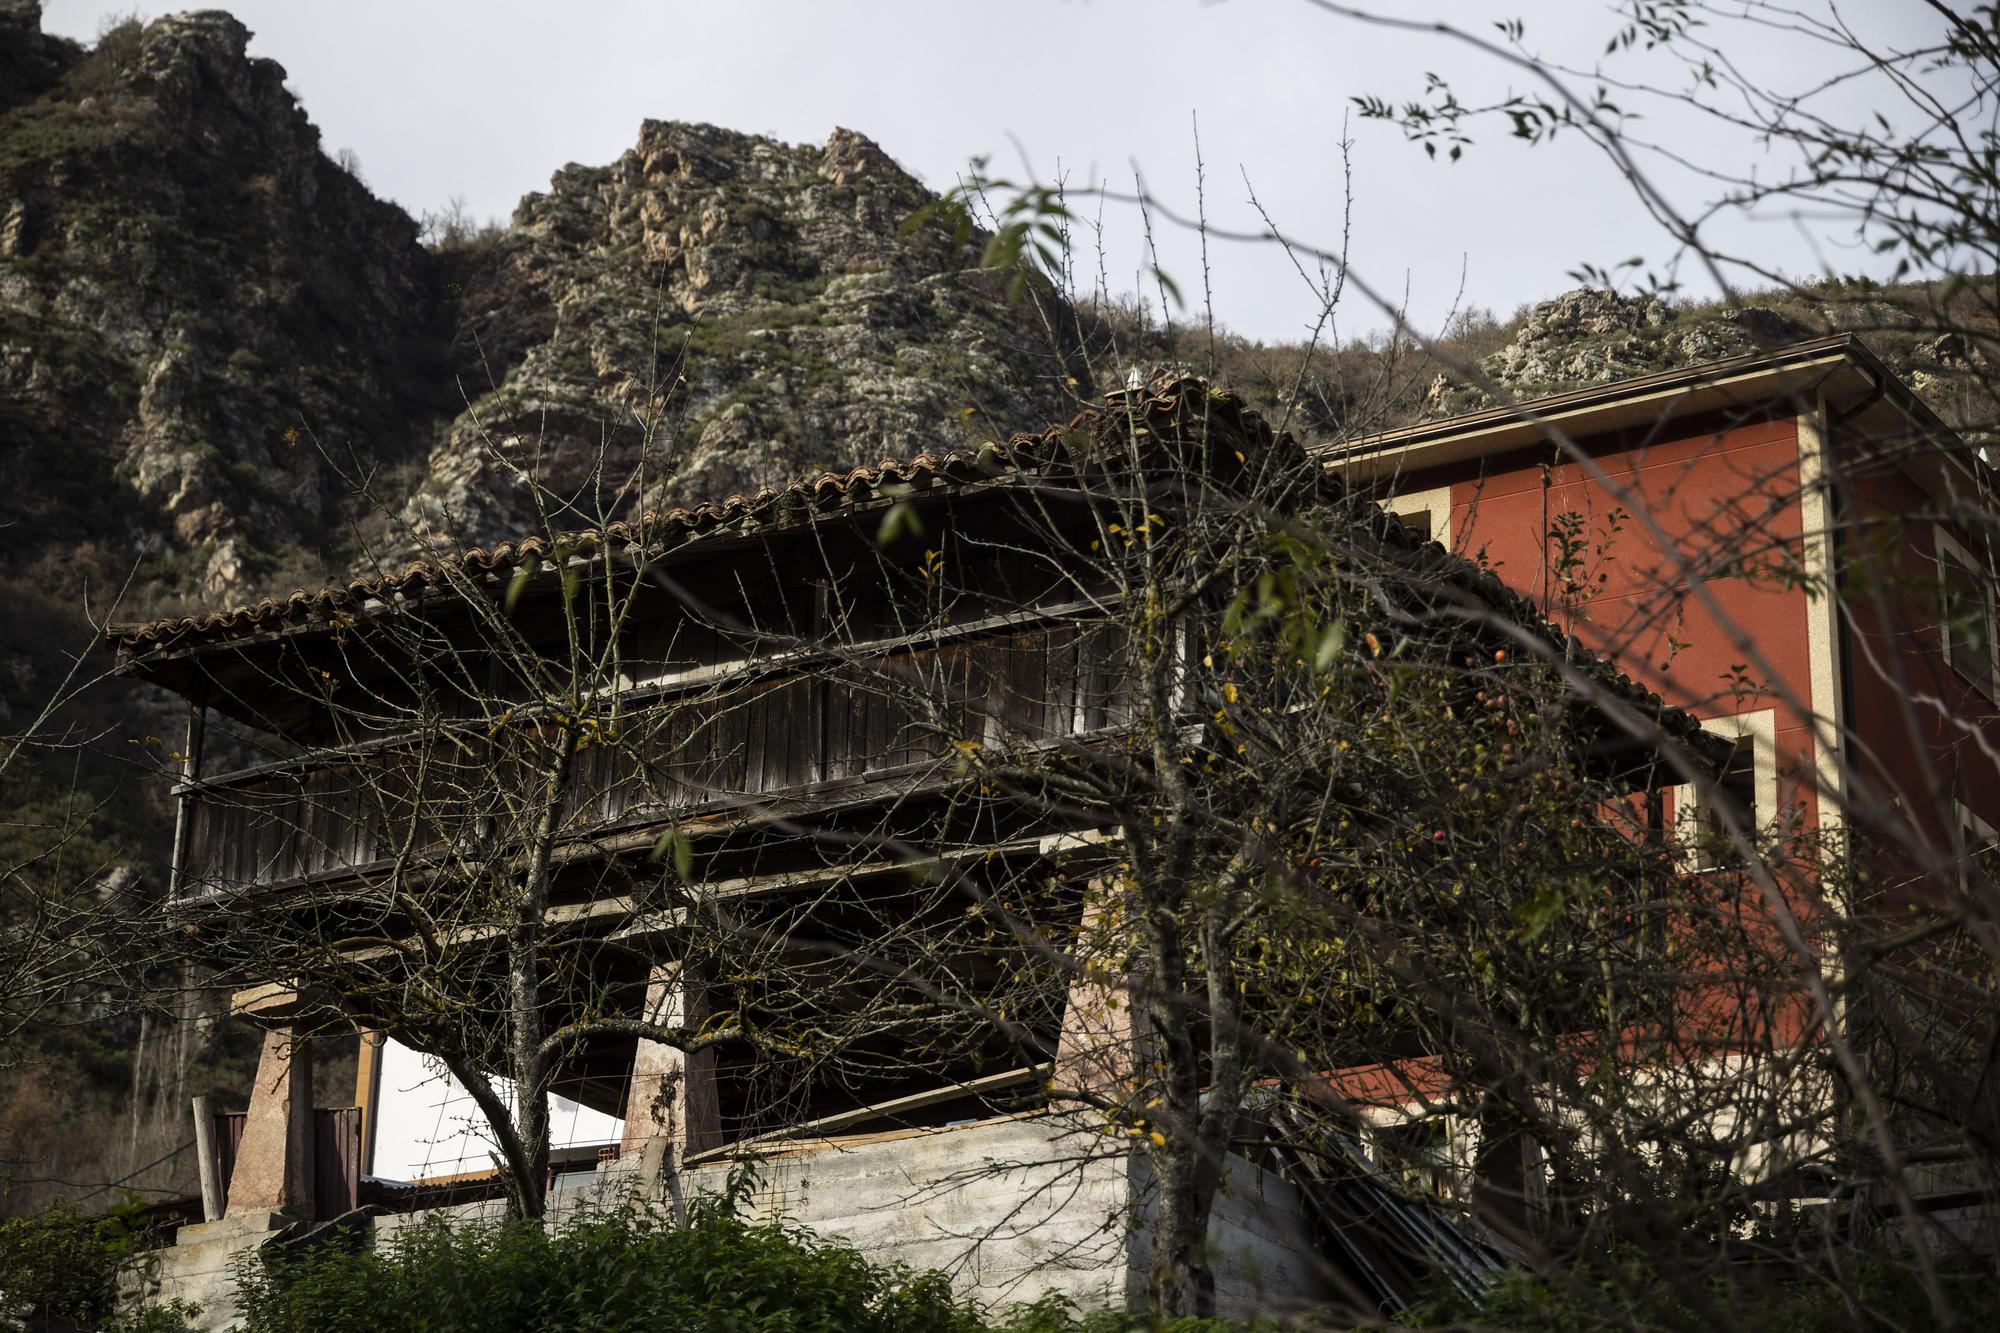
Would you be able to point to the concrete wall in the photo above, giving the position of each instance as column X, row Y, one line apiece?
column 200, row 1264
column 1011, row 1209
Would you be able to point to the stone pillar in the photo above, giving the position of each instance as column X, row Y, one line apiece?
column 1097, row 1053
column 274, row 1164
column 672, row 1098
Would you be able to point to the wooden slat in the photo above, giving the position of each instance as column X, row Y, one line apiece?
column 228, row 1139
column 917, row 1101
column 837, row 723
column 336, row 1162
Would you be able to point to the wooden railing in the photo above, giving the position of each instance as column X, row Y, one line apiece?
column 723, row 741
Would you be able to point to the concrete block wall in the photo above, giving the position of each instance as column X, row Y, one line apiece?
column 1010, row 1209
column 200, row 1265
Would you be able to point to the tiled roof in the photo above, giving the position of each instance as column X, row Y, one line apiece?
column 666, row 528
column 1173, row 402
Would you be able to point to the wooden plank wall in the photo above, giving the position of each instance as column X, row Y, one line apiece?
column 744, row 740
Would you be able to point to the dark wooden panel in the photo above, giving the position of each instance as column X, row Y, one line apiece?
column 228, row 1140
column 336, row 1161
column 748, row 741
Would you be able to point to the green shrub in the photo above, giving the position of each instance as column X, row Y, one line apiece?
column 631, row 1271
column 59, row 1269
column 1057, row 1314
column 603, row 1272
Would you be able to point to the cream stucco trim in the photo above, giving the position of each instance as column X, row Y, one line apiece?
column 1761, row 726
column 1828, row 721
column 1948, row 546
column 1986, row 835
column 1435, row 503
column 1645, row 401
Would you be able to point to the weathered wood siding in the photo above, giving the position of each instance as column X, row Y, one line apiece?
column 696, row 746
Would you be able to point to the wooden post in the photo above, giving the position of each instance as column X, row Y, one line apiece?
column 368, row 1094
column 672, row 1094
column 207, row 1159
column 184, row 793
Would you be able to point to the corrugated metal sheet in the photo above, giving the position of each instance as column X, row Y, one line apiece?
column 336, row 1161
column 1387, row 1248
column 228, row 1138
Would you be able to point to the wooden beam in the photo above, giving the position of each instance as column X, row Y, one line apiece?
column 840, row 1120
column 368, row 1093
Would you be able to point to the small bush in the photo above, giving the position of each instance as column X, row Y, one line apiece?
column 631, row 1271
column 59, row 1269
column 606, row 1272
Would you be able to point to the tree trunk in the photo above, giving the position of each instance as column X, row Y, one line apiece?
column 1183, row 1282
column 526, row 1022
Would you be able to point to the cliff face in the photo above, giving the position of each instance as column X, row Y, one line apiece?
column 209, row 330
column 1588, row 337
column 190, row 293
column 715, row 312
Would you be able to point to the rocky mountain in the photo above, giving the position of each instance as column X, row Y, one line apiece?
column 1591, row 336
column 187, row 283
column 715, row 312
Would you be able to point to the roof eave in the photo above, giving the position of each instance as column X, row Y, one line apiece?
column 1839, row 366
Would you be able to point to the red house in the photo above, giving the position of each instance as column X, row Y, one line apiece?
column 1793, row 547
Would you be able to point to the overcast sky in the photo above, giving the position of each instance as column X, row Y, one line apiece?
column 485, row 98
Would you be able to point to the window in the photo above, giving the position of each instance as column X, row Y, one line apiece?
column 1734, row 799
column 1969, row 613
column 1978, row 850
column 1416, row 1155
column 1426, row 513
column 1745, row 792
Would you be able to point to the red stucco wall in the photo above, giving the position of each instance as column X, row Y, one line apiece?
column 1684, row 528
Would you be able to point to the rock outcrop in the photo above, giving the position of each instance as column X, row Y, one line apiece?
column 1590, row 336
column 203, row 320
column 715, row 312
column 210, row 330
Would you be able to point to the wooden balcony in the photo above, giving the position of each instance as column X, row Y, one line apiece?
column 718, row 739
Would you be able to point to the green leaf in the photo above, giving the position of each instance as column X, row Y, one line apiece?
column 1332, row 640
column 516, row 585
column 673, row 845
column 901, row 520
